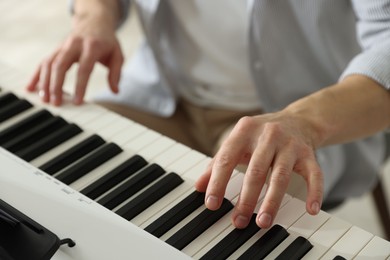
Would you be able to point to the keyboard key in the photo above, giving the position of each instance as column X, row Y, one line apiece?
column 268, row 242
column 198, row 225
column 14, row 108
column 350, row 244
column 21, row 126
column 176, row 214
column 296, row 250
column 131, row 186
column 152, row 194
column 72, row 155
column 7, row 99
column 34, row 134
column 48, row 142
column 114, row 177
column 232, row 241
column 88, row 163
column 376, row 249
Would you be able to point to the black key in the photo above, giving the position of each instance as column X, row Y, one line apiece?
column 268, row 242
column 150, row 196
column 7, row 99
column 176, row 214
column 131, row 186
column 88, row 163
column 114, row 177
column 198, row 225
column 21, row 126
column 48, row 142
column 14, row 108
column 72, row 155
column 229, row 244
column 339, row 258
column 296, row 250
column 30, row 136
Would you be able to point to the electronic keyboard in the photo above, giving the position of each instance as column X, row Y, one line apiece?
column 122, row 191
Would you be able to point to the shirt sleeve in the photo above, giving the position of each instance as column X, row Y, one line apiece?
column 124, row 8
column 373, row 32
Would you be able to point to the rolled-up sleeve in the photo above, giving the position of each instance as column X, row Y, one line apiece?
column 373, row 32
column 124, row 8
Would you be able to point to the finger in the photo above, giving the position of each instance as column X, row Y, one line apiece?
column 253, row 183
column 315, row 182
column 61, row 64
column 44, row 79
column 33, row 83
column 280, row 177
column 86, row 64
column 202, row 182
column 223, row 165
column 115, row 66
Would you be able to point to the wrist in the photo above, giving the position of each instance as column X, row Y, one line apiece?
column 102, row 12
column 311, row 122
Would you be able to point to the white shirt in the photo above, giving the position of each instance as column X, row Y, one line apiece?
column 215, row 59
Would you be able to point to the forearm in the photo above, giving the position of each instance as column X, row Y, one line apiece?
column 354, row 108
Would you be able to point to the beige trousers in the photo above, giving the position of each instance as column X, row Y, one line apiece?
column 202, row 129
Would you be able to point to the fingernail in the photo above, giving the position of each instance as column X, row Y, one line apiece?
column 212, row 202
column 241, row 221
column 41, row 93
column 265, row 220
column 315, row 207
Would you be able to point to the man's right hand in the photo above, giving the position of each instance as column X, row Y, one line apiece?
column 92, row 40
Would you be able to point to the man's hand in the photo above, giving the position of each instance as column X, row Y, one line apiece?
column 273, row 146
column 92, row 40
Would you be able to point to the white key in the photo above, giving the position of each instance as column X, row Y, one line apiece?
column 326, row 236
column 194, row 173
column 376, row 249
column 186, row 162
column 171, row 155
column 121, row 125
column 132, row 131
column 149, row 144
column 100, row 121
column 350, row 244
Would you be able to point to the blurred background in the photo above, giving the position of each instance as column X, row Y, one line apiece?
column 31, row 30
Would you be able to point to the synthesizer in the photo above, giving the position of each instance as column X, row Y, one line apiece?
column 122, row 191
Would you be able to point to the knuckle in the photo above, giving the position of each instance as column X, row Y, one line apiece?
column 244, row 124
column 272, row 205
column 58, row 65
column 93, row 43
column 257, row 172
column 223, row 161
column 281, row 175
column 245, row 206
column 73, row 40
